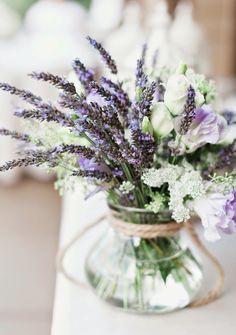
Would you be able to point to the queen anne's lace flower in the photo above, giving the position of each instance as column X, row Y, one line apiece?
column 151, row 177
column 193, row 184
column 156, row 204
column 180, row 213
column 182, row 182
column 157, row 177
column 126, row 187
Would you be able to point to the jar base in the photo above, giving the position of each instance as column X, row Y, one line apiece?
column 162, row 300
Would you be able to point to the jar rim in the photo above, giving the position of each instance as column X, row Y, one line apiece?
column 135, row 209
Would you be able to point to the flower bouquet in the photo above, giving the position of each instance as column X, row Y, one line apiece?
column 161, row 153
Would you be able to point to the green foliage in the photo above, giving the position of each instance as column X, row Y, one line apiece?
column 227, row 181
column 85, row 3
column 21, row 6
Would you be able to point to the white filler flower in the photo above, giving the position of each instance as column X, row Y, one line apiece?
column 126, row 187
column 182, row 182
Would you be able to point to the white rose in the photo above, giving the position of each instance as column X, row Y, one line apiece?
column 161, row 120
column 176, row 93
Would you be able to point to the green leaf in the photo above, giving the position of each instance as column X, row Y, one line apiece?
column 182, row 68
column 74, row 117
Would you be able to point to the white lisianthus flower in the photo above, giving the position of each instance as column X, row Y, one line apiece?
column 176, row 93
column 161, row 120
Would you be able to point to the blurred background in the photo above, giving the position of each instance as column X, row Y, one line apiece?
column 47, row 35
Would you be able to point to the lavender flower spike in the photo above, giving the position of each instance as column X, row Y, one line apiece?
column 101, row 176
column 141, row 78
column 226, row 157
column 105, row 55
column 15, row 135
column 84, row 75
column 189, row 112
column 23, row 94
column 48, row 113
column 35, row 158
column 57, row 81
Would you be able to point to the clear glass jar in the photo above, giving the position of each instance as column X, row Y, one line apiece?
column 143, row 275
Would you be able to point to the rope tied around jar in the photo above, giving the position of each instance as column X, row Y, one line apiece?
column 148, row 231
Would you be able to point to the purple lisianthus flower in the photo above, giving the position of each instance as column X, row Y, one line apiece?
column 218, row 213
column 92, row 165
column 206, row 127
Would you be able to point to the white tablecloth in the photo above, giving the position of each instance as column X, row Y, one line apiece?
column 79, row 312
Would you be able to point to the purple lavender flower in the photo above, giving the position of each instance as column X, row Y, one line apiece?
column 23, row 94
column 45, row 112
column 35, row 158
column 226, row 157
column 57, row 81
column 77, row 149
column 141, row 77
column 146, row 100
column 189, row 112
column 160, row 91
column 98, row 175
column 15, row 135
column 207, row 127
column 93, row 96
column 70, row 101
column 84, row 75
column 218, row 213
column 105, row 55
column 116, row 88
column 108, row 96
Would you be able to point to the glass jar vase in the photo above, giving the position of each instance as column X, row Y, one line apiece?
column 144, row 275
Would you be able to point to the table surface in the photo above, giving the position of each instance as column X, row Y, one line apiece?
column 78, row 311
